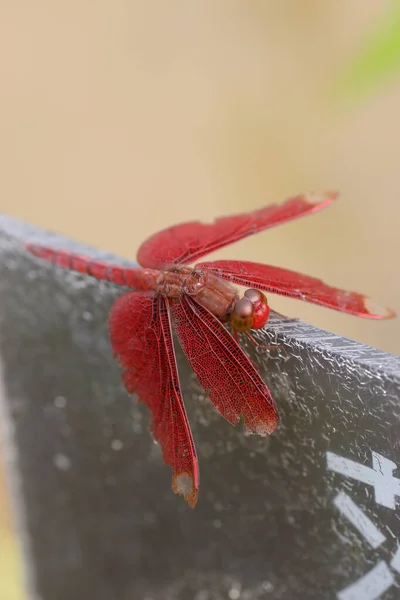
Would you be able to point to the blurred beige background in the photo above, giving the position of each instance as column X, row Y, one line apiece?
column 120, row 118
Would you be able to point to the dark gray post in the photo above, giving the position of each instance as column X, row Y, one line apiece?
column 310, row 513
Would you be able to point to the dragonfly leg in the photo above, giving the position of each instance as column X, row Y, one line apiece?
column 264, row 346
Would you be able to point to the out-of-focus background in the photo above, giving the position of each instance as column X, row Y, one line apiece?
column 120, row 118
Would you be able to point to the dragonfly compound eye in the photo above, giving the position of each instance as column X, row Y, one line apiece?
column 242, row 315
column 260, row 307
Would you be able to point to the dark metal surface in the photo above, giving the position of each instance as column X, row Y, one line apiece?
column 288, row 517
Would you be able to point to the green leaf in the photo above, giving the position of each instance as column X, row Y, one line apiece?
column 378, row 58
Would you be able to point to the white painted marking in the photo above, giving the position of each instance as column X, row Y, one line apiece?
column 370, row 586
column 359, row 520
column 395, row 562
column 389, row 486
column 386, row 487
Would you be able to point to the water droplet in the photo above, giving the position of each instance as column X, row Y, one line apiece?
column 136, row 428
column 116, row 445
column 60, row 402
column 87, row 316
column 217, row 523
column 61, row 462
column 234, row 592
column 267, row 586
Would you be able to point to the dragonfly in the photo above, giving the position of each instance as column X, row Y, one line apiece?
column 202, row 305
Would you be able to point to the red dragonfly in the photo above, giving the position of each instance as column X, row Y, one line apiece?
column 198, row 302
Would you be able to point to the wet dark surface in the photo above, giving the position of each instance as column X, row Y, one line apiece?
column 92, row 496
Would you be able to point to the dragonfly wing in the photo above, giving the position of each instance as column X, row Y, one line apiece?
column 295, row 285
column 187, row 242
column 223, row 369
column 140, row 333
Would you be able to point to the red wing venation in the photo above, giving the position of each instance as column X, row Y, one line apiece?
column 188, row 242
column 223, row 369
column 140, row 333
column 295, row 285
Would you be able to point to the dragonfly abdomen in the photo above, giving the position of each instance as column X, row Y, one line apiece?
column 136, row 278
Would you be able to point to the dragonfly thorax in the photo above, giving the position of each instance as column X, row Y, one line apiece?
column 214, row 293
column 178, row 281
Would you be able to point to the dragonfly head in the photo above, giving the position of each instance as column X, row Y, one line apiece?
column 251, row 311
